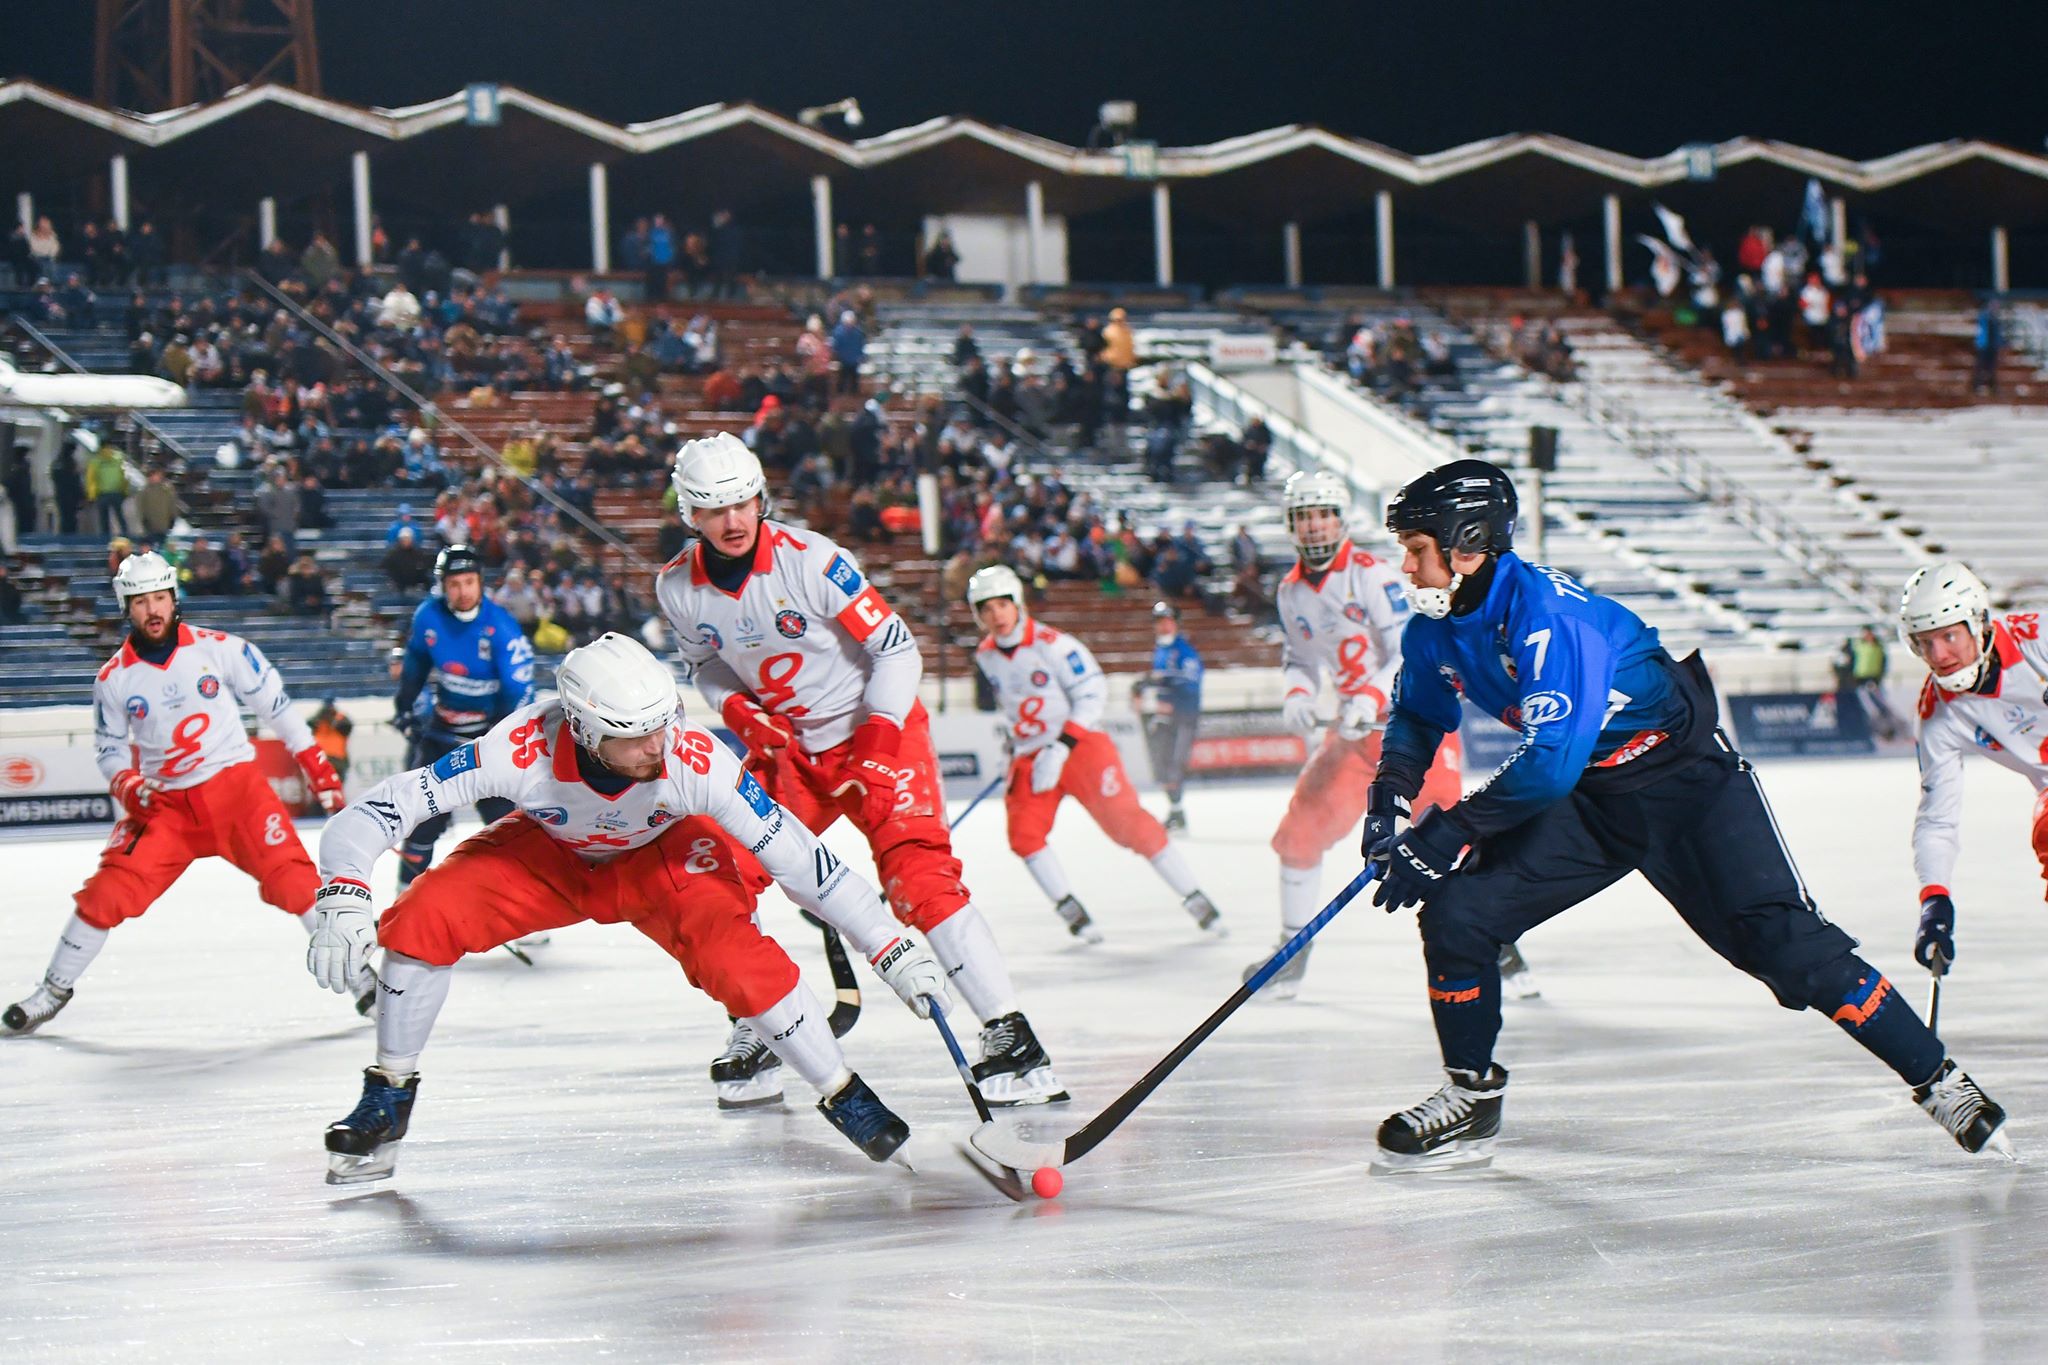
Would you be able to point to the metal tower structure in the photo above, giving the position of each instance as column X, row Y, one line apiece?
column 151, row 55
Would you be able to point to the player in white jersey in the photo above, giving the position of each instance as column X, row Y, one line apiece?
column 1343, row 611
column 167, row 731
column 818, row 678
column 1052, row 694
column 623, row 812
column 1984, row 694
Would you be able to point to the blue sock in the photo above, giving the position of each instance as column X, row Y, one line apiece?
column 1870, row 1010
column 1466, row 1008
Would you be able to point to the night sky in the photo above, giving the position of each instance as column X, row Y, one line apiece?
column 1856, row 79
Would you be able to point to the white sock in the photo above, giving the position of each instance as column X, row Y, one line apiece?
column 1171, row 864
column 407, row 1004
column 1045, row 869
column 77, row 945
column 966, row 948
column 795, row 1028
column 1301, row 895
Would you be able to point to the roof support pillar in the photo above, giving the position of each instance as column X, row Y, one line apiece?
column 502, row 216
column 1532, row 254
column 1290, row 253
column 1034, row 232
column 821, row 223
column 1383, row 233
column 25, row 210
column 1162, row 233
column 359, row 174
column 1838, row 223
column 1610, row 217
column 117, row 189
column 600, row 218
column 266, row 222
column 2001, row 260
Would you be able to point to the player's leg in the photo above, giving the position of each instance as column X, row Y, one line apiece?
column 1180, row 752
column 1094, row 775
column 2041, row 831
column 1328, row 801
column 138, row 863
column 1722, row 863
column 1029, row 816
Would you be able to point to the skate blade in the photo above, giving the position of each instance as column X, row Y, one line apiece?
column 1467, row 1156
column 1005, row 1179
column 1999, row 1145
column 1002, row 1147
column 1279, row 988
column 752, row 1094
column 1036, row 1086
column 1087, row 934
column 1521, row 986
column 344, row 1168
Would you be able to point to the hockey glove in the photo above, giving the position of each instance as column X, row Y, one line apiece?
column 1360, row 713
column 1419, row 861
column 134, row 793
column 908, row 968
column 406, row 721
column 1937, row 936
column 344, row 933
column 1298, row 712
column 759, row 730
column 1386, row 815
column 1048, row 763
column 321, row 777
column 870, row 775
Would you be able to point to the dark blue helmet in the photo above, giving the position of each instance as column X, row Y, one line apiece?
column 1466, row 506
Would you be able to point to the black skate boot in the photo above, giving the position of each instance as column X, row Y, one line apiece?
column 1285, row 983
column 1204, row 913
column 1454, row 1127
column 39, row 1009
column 364, row 1146
column 1972, row 1117
column 748, row 1074
column 1014, row 1068
column 1176, row 820
column 868, row 1123
column 1078, row 923
column 1516, row 981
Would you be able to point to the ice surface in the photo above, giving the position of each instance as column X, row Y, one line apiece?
column 1687, row 1172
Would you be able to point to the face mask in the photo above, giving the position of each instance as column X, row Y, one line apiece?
column 1435, row 603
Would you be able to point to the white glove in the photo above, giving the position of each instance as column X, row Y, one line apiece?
column 1046, row 765
column 1299, row 712
column 1358, row 715
column 344, row 933
column 908, row 968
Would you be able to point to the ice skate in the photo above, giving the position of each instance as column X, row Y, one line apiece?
column 364, row 1146
column 868, row 1123
column 1285, row 983
column 748, row 1074
column 1014, row 1069
column 39, row 1009
column 1176, row 820
column 1516, row 981
column 1205, row 914
column 1973, row 1118
column 1078, row 922
column 1452, row 1129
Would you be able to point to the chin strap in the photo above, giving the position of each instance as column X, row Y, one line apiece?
column 1435, row 603
column 466, row 616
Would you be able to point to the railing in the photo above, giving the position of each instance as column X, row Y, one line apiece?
column 1293, row 444
column 61, row 356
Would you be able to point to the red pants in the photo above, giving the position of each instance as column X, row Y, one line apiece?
column 684, row 891
column 1329, row 796
column 234, row 815
column 2041, row 830
column 913, row 848
column 1094, row 775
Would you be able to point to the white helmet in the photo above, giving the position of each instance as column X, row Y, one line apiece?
column 1942, row 595
column 718, row 471
column 997, row 580
column 613, row 688
column 146, row 572
column 1307, row 488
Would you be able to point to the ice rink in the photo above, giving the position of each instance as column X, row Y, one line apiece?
column 1687, row 1172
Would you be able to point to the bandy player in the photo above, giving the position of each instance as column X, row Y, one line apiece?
column 1052, row 693
column 818, row 678
column 167, row 731
column 1984, row 693
column 622, row 812
column 1342, row 610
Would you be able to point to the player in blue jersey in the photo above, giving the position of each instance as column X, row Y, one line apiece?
column 1173, row 690
column 467, row 666
column 1622, row 768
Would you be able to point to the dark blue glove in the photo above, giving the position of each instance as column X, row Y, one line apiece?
column 1386, row 814
column 406, row 721
column 1937, row 937
column 1419, row 861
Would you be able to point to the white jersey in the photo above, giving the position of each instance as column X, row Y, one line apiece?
column 1347, row 623
column 1047, row 680
column 806, row 636
column 2008, row 724
column 180, row 722
column 529, row 759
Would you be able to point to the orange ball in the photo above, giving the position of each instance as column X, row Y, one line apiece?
column 1047, row 1181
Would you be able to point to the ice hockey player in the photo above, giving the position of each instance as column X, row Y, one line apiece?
column 1621, row 768
column 1342, row 610
column 167, row 731
column 626, row 813
column 466, row 667
column 1983, row 693
column 1173, row 693
column 818, row 677
column 1052, row 695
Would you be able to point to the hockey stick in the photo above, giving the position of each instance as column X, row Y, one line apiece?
column 984, row 794
column 1002, row 1177
column 845, row 985
column 1938, row 969
column 1005, row 1148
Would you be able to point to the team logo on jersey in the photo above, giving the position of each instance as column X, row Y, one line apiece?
column 1545, row 707
column 1450, row 675
column 551, row 815
column 708, row 633
column 613, row 819
column 1354, row 613
column 455, row 761
column 137, row 708
column 1039, row 677
column 209, row 687
column 750, row 792
column 1986, row 742
column 431, row 637
column 659, row 817
column 1308, row 632
column 790, row 624
column 454, row 669
column 483, row 648
column 843, row 575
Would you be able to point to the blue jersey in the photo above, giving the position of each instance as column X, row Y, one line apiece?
column 463, row 677
column 1177, row 673
column 1580, row 675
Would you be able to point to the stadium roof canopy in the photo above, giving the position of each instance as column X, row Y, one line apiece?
column 270, row 140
